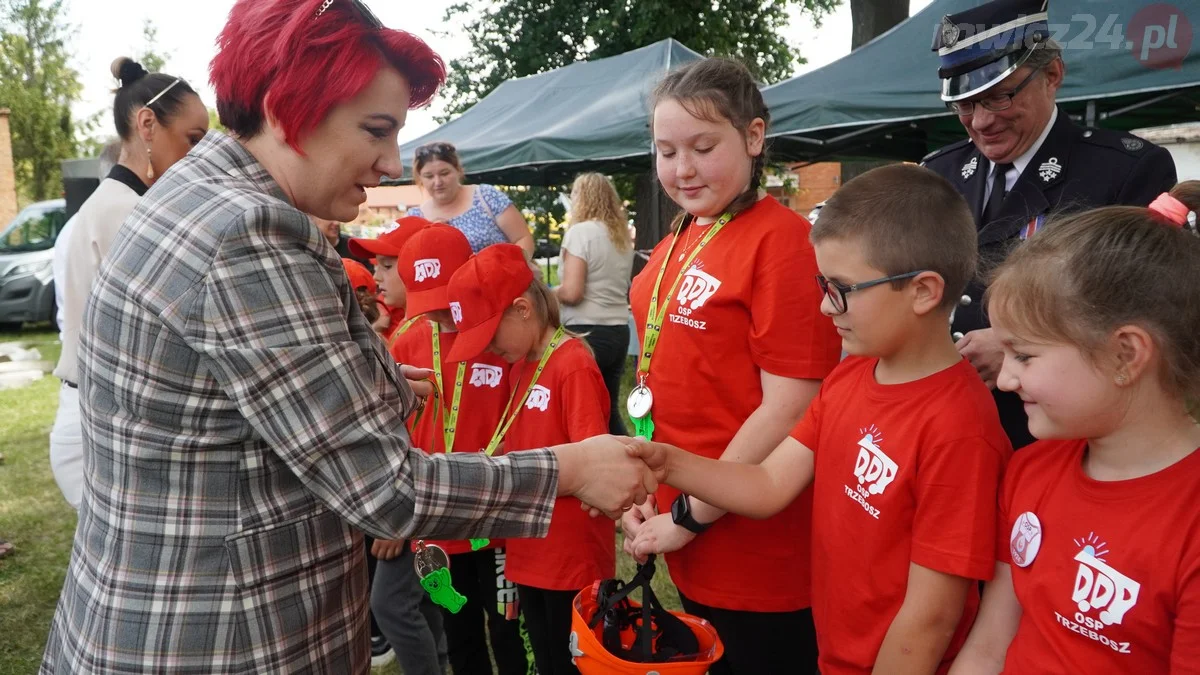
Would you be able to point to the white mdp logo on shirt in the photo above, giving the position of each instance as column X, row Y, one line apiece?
column 539, row 398
column 872, row 467
column 1100, row 587
column 483, row 375
column 427, row 268
column 696, row 288
column 456, row 312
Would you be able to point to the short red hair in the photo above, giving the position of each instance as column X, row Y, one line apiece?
column 308, row 64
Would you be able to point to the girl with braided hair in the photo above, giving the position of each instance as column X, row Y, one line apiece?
column 734, row 348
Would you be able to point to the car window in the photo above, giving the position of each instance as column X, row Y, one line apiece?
column 34, row 229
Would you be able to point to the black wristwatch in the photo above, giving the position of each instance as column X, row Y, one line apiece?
column 681, row 515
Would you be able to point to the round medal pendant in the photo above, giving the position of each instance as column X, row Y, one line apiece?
column 430, row 558
column 1026, row 539
column 639, row 402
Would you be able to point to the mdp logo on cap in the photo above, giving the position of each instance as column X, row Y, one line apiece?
column 456, row 313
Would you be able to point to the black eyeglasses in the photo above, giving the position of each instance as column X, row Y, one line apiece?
column 992, row 102
column 837, row 292
column 365, row 12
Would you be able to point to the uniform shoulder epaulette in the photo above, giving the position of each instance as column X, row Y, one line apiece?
column 1118, row 140
column 943, row 150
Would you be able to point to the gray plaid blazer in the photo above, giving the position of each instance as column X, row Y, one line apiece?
column 242, row 422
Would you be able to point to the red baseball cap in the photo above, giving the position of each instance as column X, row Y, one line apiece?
column 480, row 291
column 391, row 241
column 426, row 264
column 360, row 276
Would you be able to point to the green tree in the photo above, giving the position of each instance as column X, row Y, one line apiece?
column 38, row 86
column 151, row 58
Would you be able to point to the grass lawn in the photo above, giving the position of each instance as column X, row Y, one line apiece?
column 40, row 524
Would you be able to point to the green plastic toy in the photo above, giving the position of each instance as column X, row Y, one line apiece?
column 477, row 544
column 643, row 427
column 440, row 590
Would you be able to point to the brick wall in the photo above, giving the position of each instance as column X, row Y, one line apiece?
column 8, row 185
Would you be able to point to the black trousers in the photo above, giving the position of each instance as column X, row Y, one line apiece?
column 761, row 642
column 491, row 609
column 611, row 346
column 548, row 622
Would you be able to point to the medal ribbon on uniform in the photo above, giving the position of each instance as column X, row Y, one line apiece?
column 641, row 400
column 510, row 413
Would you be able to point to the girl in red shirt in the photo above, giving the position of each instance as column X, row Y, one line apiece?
column 558, row 396
column 1099, row 562
column 735, row 349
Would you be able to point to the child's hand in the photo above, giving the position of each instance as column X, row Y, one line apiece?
column 632, row 519
column 658, row 535
column 655, row 455
column 386, row 549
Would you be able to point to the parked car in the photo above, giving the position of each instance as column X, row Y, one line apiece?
column 27, row 264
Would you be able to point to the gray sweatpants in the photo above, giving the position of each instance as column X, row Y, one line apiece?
column 407, row 617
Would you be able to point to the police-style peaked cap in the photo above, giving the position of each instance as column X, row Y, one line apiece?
column 983, row 45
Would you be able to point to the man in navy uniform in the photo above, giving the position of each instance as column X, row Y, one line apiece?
column 1024, row 159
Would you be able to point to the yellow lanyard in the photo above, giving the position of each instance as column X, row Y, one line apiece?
column 655, row 316
column 510, row 414
column 401, row 330
column 449, row 418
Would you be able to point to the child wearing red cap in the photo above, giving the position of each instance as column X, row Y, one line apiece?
column 558, row 396
column 459, row 418
column 364, row 287
column 386, row 250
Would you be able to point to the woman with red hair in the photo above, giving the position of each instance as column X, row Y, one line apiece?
column 245, row 423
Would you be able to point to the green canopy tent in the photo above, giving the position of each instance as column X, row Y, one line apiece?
column 545, row 128
column 881, row 101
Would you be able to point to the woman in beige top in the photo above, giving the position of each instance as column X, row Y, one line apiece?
column 158, row 118
column 595, row 269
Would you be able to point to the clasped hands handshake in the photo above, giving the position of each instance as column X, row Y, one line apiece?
column 616, row 477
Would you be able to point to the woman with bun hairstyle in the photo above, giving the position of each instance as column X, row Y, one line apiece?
column 158, row 118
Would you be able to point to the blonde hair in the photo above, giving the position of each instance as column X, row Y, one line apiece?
column 593, row 197
column 547, row 309
column 1086, row 275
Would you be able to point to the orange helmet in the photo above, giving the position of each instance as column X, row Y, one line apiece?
column 613, row 635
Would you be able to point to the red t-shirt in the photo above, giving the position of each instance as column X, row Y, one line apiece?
column 569, row 403
column 484, row 393
column 904, row 473
column 749, row 304
column 1113, row 577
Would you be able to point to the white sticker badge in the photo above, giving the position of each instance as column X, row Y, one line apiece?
column 1026, row 539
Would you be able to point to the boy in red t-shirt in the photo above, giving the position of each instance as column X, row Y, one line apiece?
column 385, row 249
column 558, row 396
column 460, row 418
column 903, row 437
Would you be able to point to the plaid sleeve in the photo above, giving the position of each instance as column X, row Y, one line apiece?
column 274, row 320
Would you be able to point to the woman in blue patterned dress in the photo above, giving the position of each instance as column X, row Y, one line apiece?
column 482, row 212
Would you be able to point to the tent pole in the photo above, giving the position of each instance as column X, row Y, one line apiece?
column 1141, row 104
column 1090, row 116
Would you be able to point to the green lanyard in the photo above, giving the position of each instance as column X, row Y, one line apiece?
column 510, row 414
column 449, row 418
column 656, row 315
column 643, row 425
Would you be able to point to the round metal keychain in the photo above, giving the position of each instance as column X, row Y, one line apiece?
column 429, row 558
column 640, row 401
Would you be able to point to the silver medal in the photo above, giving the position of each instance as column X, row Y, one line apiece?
column 640, row 401
column 429, row 558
